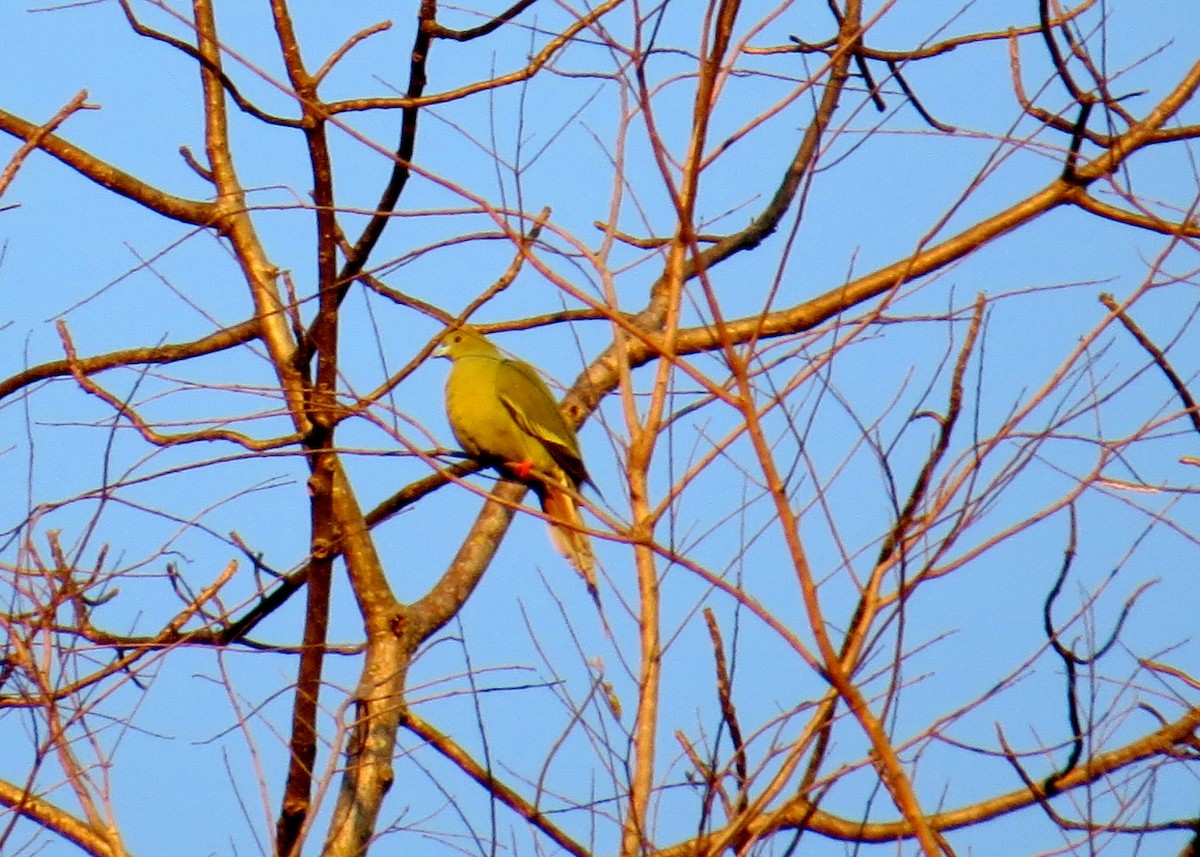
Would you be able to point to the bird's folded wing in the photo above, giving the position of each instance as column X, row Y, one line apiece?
column 532, row 406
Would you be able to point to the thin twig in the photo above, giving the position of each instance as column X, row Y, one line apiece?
column 1160, row 359
column 79, row 102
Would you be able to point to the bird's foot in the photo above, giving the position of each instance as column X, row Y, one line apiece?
column 521, row 469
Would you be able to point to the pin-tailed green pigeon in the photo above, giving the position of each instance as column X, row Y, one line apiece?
column 504, row 415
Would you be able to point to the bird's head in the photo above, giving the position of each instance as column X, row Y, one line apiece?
column 463, row 341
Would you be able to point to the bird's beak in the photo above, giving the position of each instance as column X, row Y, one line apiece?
column 443, row 350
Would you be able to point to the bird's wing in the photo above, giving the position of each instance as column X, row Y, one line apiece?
column 532, row 406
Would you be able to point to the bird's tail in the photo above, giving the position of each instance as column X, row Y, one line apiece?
column 568, row 537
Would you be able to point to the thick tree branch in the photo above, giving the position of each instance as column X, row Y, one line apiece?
column 79, row 102
column 221, row 340
column 107, row 176
column 59, row 821
column 799, row 811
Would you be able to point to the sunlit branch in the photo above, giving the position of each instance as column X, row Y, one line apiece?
column 451, row 750
column 221, row 340
column 1164, row 740
column 79, row 102
column 535, row 65
column 129, row 651
column 936, row 49
column 1187, row 228
column 347, row 46
column 143, row 428
column 44, row 813
column 107, row 176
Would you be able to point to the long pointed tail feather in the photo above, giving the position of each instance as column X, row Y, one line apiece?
column 571, row 542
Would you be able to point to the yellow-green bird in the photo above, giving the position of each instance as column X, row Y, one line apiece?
column 504, row 415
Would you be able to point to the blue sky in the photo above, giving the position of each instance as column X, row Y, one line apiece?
column 74, row 253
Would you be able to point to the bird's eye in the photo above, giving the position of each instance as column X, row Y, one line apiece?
column 457, row 338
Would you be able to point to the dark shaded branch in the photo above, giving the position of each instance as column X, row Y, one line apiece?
column 183, row 47
column 322, row 406
column 1070, row 661
column 1060, row 65
column 356, row 258
column 894, row 67
column 1078, row 133
column 535, row 65
column 946, row 423
column 1042, row 795
column 1050, row 120
column 1160, row 359
column 767, row 221
column 485, row 28
column 728, row 711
